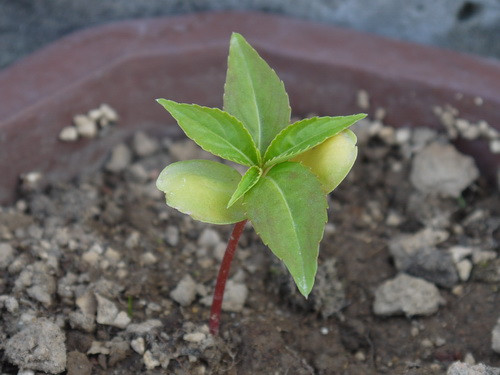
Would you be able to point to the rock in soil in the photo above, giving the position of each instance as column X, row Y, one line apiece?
column 185, row 291
column 460, row 368
column 39, row 346
column 406, row 295
column 495, row 337
column 440, row 169
column 416, row 255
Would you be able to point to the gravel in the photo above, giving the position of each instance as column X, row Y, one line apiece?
column 120, row 158
column 460, row 368
column 143, row 145
column 185, row 291
column 406, row 295
column 440, row 169
column 416, row 255
column 6, row 255
column 108, row 313
column 39, row 346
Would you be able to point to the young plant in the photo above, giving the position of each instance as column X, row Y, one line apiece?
column 291, row 167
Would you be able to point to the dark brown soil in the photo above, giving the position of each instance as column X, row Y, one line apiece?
column 277, row 332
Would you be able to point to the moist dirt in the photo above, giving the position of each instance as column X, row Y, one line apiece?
column 126, row 281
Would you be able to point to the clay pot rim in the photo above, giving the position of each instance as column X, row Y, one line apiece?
column 317, row 64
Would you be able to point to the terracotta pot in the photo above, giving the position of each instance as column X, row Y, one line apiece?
column 129, row 64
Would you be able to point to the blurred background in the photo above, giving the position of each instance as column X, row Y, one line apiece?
column 465, row 26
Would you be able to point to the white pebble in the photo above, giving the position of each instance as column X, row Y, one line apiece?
column 363, row 99
column 149, row 361
column 148, row 258
column 185, row 292
column 194, row 337
column 68, row 134
column 495, row 146
column 85, row 126
column 139, row 345
column 464, row 268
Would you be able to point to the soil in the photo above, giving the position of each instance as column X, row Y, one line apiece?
column 68, row 229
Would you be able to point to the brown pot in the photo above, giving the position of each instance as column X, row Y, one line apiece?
column 129, row 64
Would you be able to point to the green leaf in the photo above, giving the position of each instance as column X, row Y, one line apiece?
column 288, row 210
column 248, row 180
column 254, row 94
column 202, row 189
column 215, row 131
column 304, row 135
column 331, row 160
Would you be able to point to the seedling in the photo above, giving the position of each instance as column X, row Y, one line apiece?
column 291, row 168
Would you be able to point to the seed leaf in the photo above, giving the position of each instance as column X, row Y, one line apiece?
column 304, row 135
column 254, row 94
column 214, row 131
column 202, row 189
column 294, row 226
column 248, row 180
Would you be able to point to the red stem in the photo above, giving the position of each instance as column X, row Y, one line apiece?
column 222, row 277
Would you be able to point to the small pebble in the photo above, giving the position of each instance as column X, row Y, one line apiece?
column 195, row 337
column 148, row 258
column 139, row 345
column 360, row 356
column 363, row 99
column 469, row 359
column 209, row 238
column 120, row 158
column 324, row 330
column 143, row 145
column 149, row 361
column 185, row 292
column 426, row 343
column 68, row 134
column 464, row 268
column 85, row 126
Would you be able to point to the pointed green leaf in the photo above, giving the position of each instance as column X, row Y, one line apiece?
column 331, row 160
column 288, row 210
column 304, row 135
column 202, row 189
column 215, row 131
column 248, row 180
column 254, row 94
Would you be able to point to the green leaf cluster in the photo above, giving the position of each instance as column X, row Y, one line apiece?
column 291, row 167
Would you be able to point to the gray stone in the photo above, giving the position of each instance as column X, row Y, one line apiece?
column 144, row 327
column 406, row 295
column 6, row 255
column 121, row 157
column 209, row 238
column 416, row 255
column 185, row 292
column 235, row 296
column 461, row 368
column 440, row 169
column 38, row 282
column 328, row 295
column 495, row 337
column 108, row 313
column 40, row 346
column 143, row 145
column 139, row 345
column 172, row 235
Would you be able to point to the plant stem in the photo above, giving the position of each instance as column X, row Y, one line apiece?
column 222, row 277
